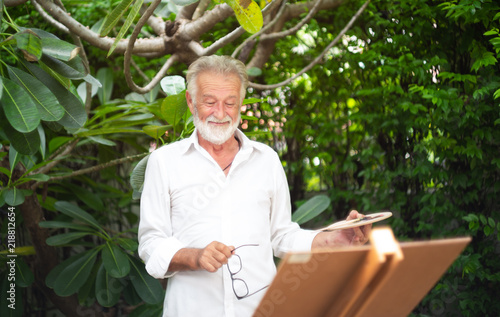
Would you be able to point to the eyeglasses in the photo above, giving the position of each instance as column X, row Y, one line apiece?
column 234, row 266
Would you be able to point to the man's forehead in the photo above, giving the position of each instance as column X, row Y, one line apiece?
column 215, row 84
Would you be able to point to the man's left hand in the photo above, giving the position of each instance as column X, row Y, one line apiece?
column 344, row 237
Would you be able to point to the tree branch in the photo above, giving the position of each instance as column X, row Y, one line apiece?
column 306, row 19
column 319, row 57
column 13, row 3
column 156, row 44
column 96, row 168
column 48, row 18
column 200, row 9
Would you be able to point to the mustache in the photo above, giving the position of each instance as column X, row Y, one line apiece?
column 212, row 118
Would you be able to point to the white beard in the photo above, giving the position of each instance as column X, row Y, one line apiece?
column 213, row 133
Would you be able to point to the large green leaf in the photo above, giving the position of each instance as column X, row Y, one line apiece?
column 76, row 212
column 59, row 49
column 137, row 176
column 18, row 107
column 13, row 196
column 75, row 115
column 73, row 276
column 108, row 289
column 72, row 69
column 248, row 14
column 126, row 25
column 47, row 104
column 30, row 45
column 112, row 19
column 115, row 261
column 63, row 224
column 311, row 208
column 65, row 238
column 51, row 278
column 148, row 288
column 105, row 77
column 173, row 108
column 24, row 143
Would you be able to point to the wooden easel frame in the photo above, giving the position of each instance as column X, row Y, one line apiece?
column 383, row 279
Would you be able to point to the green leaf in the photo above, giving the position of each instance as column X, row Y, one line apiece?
column 51, row 278
column 24, row 276
column 57, row 142
column 47, row 104
column 254, row 71
column 38, row 177
column 173, row 108
column 491, row 222
column 483, row 219
column 18, row 107
column 24, row 143
column 5, row 171
column 112, row 19
column 13, row 196
column 105, row 77
column 65, row 238
column 75, row 115
column 148, row 288
column 252, row 100
column 311, row 208
column 155, row 131
column 107, row 288
column 115, row 261
column 63, row 224
column 101, row 140
column 470, row 218
column 137, row 176
column 72, row 69
column 30, row 45
column 73, row 276
column 86, row 293
column 248, row 14
column 126, row 25
column 127, row 244
column 76, row 212
column 173, row 85
column 59, row 49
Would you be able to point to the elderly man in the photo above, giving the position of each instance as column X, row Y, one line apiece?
column 215, row 207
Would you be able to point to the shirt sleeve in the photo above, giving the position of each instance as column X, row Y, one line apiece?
column 286, row 236
column 157, row 245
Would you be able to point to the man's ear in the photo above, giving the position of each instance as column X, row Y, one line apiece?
column 189, row 101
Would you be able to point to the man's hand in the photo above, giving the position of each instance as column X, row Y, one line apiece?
column 344, row 237
column 210, row 258
column 213, row 256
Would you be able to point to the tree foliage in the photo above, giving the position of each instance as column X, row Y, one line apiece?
column 373, row 105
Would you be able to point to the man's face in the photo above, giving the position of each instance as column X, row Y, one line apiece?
column 216, row 113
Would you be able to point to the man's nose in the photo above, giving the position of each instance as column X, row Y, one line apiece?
column 219, row 111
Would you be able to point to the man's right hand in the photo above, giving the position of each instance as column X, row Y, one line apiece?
column 213, row 256
column 210, row 258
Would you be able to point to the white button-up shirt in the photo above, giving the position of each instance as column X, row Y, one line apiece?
column 187, row 201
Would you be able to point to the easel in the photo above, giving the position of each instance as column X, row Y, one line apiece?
column 385, row 278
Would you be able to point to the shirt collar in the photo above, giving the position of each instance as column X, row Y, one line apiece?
column 192, row 142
